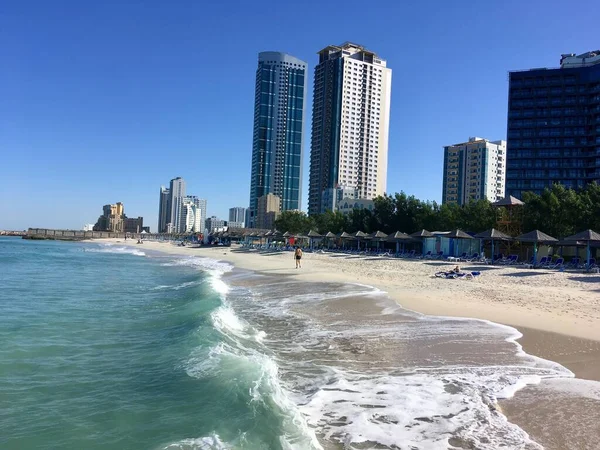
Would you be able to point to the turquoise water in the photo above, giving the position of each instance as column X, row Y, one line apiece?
column 102, row 347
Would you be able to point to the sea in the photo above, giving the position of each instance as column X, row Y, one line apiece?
column 106, row 346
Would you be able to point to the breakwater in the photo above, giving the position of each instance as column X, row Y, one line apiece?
column 72, row 235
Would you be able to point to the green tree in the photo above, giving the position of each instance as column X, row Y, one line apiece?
column 293, row 221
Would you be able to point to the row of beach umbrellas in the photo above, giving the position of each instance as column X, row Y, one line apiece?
column 536, row 237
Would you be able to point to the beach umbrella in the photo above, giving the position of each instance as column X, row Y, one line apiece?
column 329, row 236
column 586, row 236
column 360, row 235
column 537, row 237
column 378, row 236
column 345, row 236
column 422, row 234
column 313, row 235
column 398, row 237
column 493, row 235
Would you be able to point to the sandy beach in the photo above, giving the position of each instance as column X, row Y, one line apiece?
column 558, row 314
column 567, row 303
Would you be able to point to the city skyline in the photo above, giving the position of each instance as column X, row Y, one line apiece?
column 119, row 137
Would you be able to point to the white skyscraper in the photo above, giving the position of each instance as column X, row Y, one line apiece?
column 177, row 190
column 474, row 170
column 350, row 128
column 192, row 215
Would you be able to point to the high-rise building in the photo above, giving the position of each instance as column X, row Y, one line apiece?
column 164, row 209
column 350, row 126
column 192, row 215
column 474, row 170
column 267, row 211
column 237, row 214
column 277, row 145
column 553, row 132
column 177, row 190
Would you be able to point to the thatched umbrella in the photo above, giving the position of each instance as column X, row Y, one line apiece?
column 586, row 236
column 537, row 237
column 398, row 237
column 344, row 237
column 378, row 236
column 329, row 236
column 493, row 235
column 360, row 235
column 313, row 235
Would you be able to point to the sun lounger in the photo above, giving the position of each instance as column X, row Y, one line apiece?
column 541, row 263
column 558, row 264
column 454, row 275
column 426, row 255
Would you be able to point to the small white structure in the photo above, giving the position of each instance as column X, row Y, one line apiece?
column 88, row 227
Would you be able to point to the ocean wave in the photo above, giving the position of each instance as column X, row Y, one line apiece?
column 176, row 287
column 206, row 264
column 212, row 442
column 118, row 250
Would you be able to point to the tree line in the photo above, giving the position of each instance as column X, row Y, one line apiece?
column 558, row 212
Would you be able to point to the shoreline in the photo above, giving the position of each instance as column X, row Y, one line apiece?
column 549, row 326
column 557, row 318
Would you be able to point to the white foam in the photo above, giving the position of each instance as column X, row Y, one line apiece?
column 118, row 250
column 420, row 411
column 212, row 442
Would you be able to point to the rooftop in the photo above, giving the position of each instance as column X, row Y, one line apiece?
column 570, row 60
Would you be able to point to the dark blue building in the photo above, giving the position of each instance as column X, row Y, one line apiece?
column 553, row 132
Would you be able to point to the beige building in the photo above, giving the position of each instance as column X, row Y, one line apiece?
column 268, row 210
column 474, row 170
column 351, row 111
column 112, row 218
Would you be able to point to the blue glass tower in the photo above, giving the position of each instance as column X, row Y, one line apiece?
column 277, row 146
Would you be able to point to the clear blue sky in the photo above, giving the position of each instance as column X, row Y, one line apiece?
column 104, row 101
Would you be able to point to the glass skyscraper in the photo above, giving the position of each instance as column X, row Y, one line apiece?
column 277, row 146
column 553, row 132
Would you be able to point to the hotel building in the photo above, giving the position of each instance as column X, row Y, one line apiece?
column 553, row 131
column 350, row 125
column 474, row 170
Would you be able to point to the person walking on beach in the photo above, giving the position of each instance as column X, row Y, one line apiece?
column 298, row 257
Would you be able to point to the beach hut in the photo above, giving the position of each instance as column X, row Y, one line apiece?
column 492, row 235
column 399, row 237
column 587, row 236
column 536, row 237
column 345, row 237
column 455, row 237
column 423, row 236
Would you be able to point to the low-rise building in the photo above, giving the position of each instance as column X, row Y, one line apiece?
column 133, row 225
column 268, row 210
column 213, row 223
column 347, row 205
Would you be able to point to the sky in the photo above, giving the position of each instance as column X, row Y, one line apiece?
column 106, row 101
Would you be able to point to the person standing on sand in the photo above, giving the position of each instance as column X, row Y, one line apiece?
column 298, row 257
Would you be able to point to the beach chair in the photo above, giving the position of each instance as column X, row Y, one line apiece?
column 573, row 264
column 463, row 257
column 541, row 263
column 513, row 260
column 558, row 264
column 438, row 255
column 472, row 258
column 426, row 255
